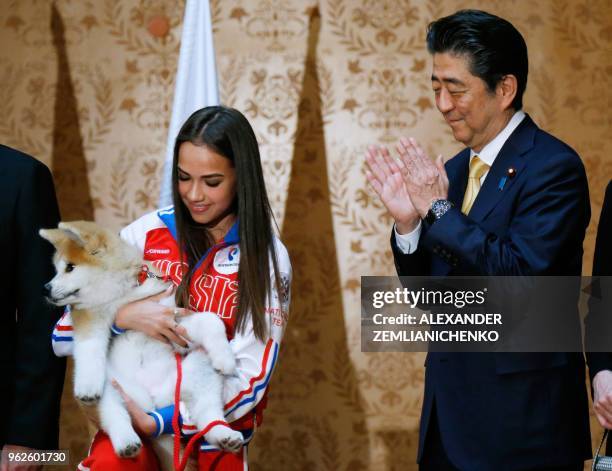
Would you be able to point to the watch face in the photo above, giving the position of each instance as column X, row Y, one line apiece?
column 440, row 207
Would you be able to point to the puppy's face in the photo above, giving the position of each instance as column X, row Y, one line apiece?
column 73, row 281
column 89, row 273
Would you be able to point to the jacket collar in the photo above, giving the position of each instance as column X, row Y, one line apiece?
column 498, row 181
column 231, row 238
column 167, row 216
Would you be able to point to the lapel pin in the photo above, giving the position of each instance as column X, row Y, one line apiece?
column 510, row 173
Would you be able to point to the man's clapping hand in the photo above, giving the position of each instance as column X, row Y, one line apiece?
column 385, row 176
column 426, row 180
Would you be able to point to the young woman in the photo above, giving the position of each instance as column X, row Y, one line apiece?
column 217, row 245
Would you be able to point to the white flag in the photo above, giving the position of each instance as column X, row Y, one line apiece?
column 196, row 80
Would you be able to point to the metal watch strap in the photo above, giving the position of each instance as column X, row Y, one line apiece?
column 438, row 209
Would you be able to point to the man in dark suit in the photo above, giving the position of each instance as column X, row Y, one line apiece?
column 32, row 376
column 514, row 202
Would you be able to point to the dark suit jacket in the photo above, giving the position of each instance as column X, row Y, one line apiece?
column 32, row 376
column 602, row 261
column 509, row 411
column 598, row 323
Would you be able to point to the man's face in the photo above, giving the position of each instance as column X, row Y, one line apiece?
column 474, row 114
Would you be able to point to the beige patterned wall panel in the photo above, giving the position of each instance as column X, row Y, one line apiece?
column 122, row 58
column 28, row 72
column 260, row 48
column 373, row 52
column 87, row 87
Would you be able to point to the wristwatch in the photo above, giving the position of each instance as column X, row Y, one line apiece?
column 438, row 209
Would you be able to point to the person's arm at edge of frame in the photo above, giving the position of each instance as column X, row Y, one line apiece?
column 600, row 362
column 34, row 415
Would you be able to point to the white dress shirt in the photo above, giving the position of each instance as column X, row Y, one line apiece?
column 407, row 243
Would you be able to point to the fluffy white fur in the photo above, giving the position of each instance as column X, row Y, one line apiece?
column 97, row 274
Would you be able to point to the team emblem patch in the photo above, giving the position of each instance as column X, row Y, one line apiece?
column 227, row 260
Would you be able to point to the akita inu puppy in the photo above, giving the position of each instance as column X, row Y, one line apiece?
column 97, row 273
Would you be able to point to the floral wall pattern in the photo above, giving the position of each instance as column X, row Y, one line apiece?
column 87, row 88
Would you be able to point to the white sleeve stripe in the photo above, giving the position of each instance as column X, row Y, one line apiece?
column 258, row 386
column 160, row 423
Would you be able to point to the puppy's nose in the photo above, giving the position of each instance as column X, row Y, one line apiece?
column 47, row 290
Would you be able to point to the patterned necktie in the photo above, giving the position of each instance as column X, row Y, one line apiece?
column 477, row 169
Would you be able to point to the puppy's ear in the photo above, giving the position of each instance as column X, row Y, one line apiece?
column 55, row 236
column 87, row 234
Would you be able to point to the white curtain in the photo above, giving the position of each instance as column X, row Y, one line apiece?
column 196, row 80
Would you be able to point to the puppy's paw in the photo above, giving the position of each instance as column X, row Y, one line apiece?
column 225, row 364
column 225, row 439
column 130, row 451
column 127, row 447
column 88, row 400
column 88, row 390
column 232, row 444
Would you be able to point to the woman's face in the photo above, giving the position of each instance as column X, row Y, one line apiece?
column 207, row 186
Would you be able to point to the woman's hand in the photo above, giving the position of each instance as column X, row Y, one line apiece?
column 153, row 319
column 602, row 398
column 142, row 422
